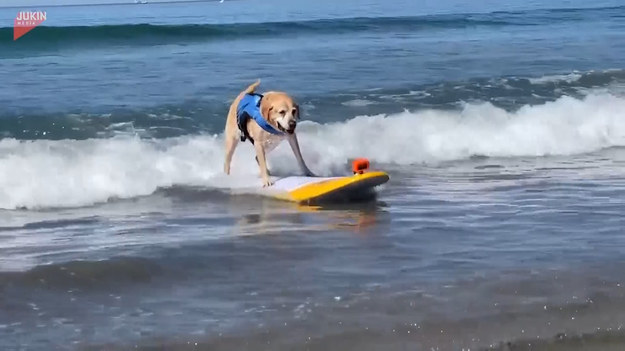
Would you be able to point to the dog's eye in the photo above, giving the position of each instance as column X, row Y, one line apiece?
column 282, row 112
column 294, row 112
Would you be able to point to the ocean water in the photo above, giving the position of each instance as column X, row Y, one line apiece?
column 501, row 123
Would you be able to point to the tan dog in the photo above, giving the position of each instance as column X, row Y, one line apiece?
column 282, row 113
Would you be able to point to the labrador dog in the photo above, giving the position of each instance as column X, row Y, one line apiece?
column 279, row 114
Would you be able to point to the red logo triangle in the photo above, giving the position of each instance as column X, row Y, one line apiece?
column 22, row 26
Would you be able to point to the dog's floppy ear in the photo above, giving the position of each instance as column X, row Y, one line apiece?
column 299, row 112
column 266, row 106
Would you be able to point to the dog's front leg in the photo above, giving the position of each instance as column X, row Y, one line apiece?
column 262, row 163
column 298, row 154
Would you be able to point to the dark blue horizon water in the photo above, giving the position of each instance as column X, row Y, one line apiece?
column 423, row 44
column 501, row 123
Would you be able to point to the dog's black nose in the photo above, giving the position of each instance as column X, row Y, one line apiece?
column 292, row 124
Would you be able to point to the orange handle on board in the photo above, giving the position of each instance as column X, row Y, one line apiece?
column 360, row 165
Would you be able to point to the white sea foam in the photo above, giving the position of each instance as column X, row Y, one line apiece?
column 43, row 173
column 358, row 103
column 568, row 78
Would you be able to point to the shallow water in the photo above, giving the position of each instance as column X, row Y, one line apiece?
column 501, row 125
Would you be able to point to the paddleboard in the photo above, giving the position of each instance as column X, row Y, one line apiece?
column 321, row 189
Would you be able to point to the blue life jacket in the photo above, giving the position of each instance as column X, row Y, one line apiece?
column 249, row 107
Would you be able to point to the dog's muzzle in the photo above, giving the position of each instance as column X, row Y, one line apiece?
column 290, row 129
column 292, row 125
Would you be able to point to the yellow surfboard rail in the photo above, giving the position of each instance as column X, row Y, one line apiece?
column 313, row 191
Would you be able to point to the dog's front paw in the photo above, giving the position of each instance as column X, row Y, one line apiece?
column 267, row 182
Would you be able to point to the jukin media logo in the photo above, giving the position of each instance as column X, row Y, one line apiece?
column 25, row 21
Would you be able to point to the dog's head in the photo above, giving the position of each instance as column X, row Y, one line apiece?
column 280, row 110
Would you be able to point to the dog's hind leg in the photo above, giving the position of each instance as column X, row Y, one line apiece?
column 231, row 144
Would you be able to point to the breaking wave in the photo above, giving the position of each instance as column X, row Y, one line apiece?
column 59, row 173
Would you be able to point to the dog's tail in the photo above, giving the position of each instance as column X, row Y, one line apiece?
column 249, row 90
column 252, row 87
